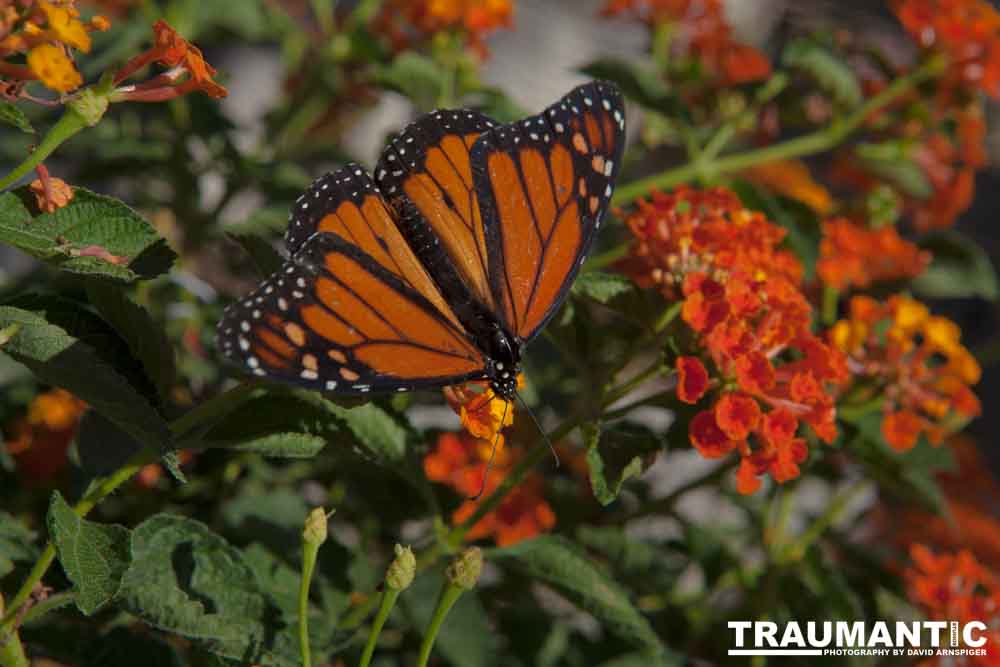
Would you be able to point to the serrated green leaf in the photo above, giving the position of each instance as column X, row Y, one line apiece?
column 602, row 287
column 59, row 359
column 94, row 556
column 102, row 446
column 90, row 223
column 465, row 639
column 615, row 455
column 13, row 116
column 378, row 432
column 557, row 562
column 640, row 84
column 959, row 269
column 148, row 342
column 16, row 544
column 284, row 445
column 187, row 580
column 262, row 253
column 830, row 72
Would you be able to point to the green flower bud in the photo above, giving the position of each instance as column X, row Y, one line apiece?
column 402, row 570
column 89, row 106
column 464, row 571
column 315, row 528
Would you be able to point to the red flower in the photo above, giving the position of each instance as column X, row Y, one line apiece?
column 692, row 379
column 407, row 21
column 39, row 440
column 706, row 436
column 852, row 255
column 737, row 415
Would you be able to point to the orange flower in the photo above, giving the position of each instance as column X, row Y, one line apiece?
column 967, row 31
column 406, row 21
column 50, row 193
column 917, row 361
column 54, row 68
column 957, row 587
column 742, row 298
column 459, row 461
column 39, row 440
column 483, row 413
column 791, row 178
column 700, row 31
column 852, row 255
column 692, row 379
column 183, row 58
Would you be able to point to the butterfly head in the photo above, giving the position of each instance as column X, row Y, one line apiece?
column 504, row 363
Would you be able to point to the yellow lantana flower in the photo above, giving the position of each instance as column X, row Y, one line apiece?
column 65, row 26
column 54, row 68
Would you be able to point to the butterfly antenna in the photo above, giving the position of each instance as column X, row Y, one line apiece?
column 493, row 453
column 539, row 427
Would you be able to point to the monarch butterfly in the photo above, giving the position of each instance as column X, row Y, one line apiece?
column 442, row 267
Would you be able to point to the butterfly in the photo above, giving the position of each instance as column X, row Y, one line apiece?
column 441, row 267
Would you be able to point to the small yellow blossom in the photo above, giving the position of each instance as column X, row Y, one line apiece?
column 54, row 68
column 65, row 25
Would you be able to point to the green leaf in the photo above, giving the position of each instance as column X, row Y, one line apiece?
column 960, row 268
column 615, row 455
column 11, row 115
column 16, row 544
column 92, row 235
column 892, row 161
column 557, row 562
column 602, row 287
column 148, row 342
column 94, row 556
column 378, row 432
column 668, row 659
column 262, row 253
column 59, row 359
column 466, row 639
column 640, row 84
column 274, row 424
column 416, row 76
column 102, row 446
column 832, row 74
column 187, row 580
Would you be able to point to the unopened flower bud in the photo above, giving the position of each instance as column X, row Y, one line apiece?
column 402, row 569
column 315, row 527
column 464, row 571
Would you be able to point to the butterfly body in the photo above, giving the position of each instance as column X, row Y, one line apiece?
column 442, row 267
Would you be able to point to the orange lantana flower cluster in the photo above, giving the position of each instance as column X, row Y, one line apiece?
column 188, row 70
column 47, row 33
column 957, row 587
column 459, row 460
column 742, row 299
column 853, row 255
column 915, row 361
column 483, row 413
column 966, row 31
column 38, row 441
column 405, row 21
column 702, row 32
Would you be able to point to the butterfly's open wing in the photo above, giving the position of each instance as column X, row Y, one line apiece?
column 425, row 172
column 543, row 185
column 353, row 310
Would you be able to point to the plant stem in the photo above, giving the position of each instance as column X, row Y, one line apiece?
column 384, row 609
column 449, row 596
column 68, row 124
column 11, row 649
column 814, row 142
column 309, row 552
column 828, row 311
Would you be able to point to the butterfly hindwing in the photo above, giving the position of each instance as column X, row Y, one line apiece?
column 543, row 186
column 426, row 173
column 353, row 310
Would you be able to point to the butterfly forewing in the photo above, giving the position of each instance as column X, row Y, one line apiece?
column 427, row 166
column 543, row 186
column 353, row 310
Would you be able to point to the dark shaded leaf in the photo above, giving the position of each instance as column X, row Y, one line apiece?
column 616, row 454
column 13, row 116
column 640, row 84
column 416, row 76
column 59, row 359
column 94, row 556
column 102, row 446
column 560, row 564
column 261, row 251
column 960, row 268
column 16, row 544
column 148, row 342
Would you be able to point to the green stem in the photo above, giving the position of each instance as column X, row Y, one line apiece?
column 211, row 409
column 829, row 306
column 449, row 596
column 12, row 652
column 808, row 144
column 833, row 514
column 68, row 124
column 385, row 608
column 309, row 552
